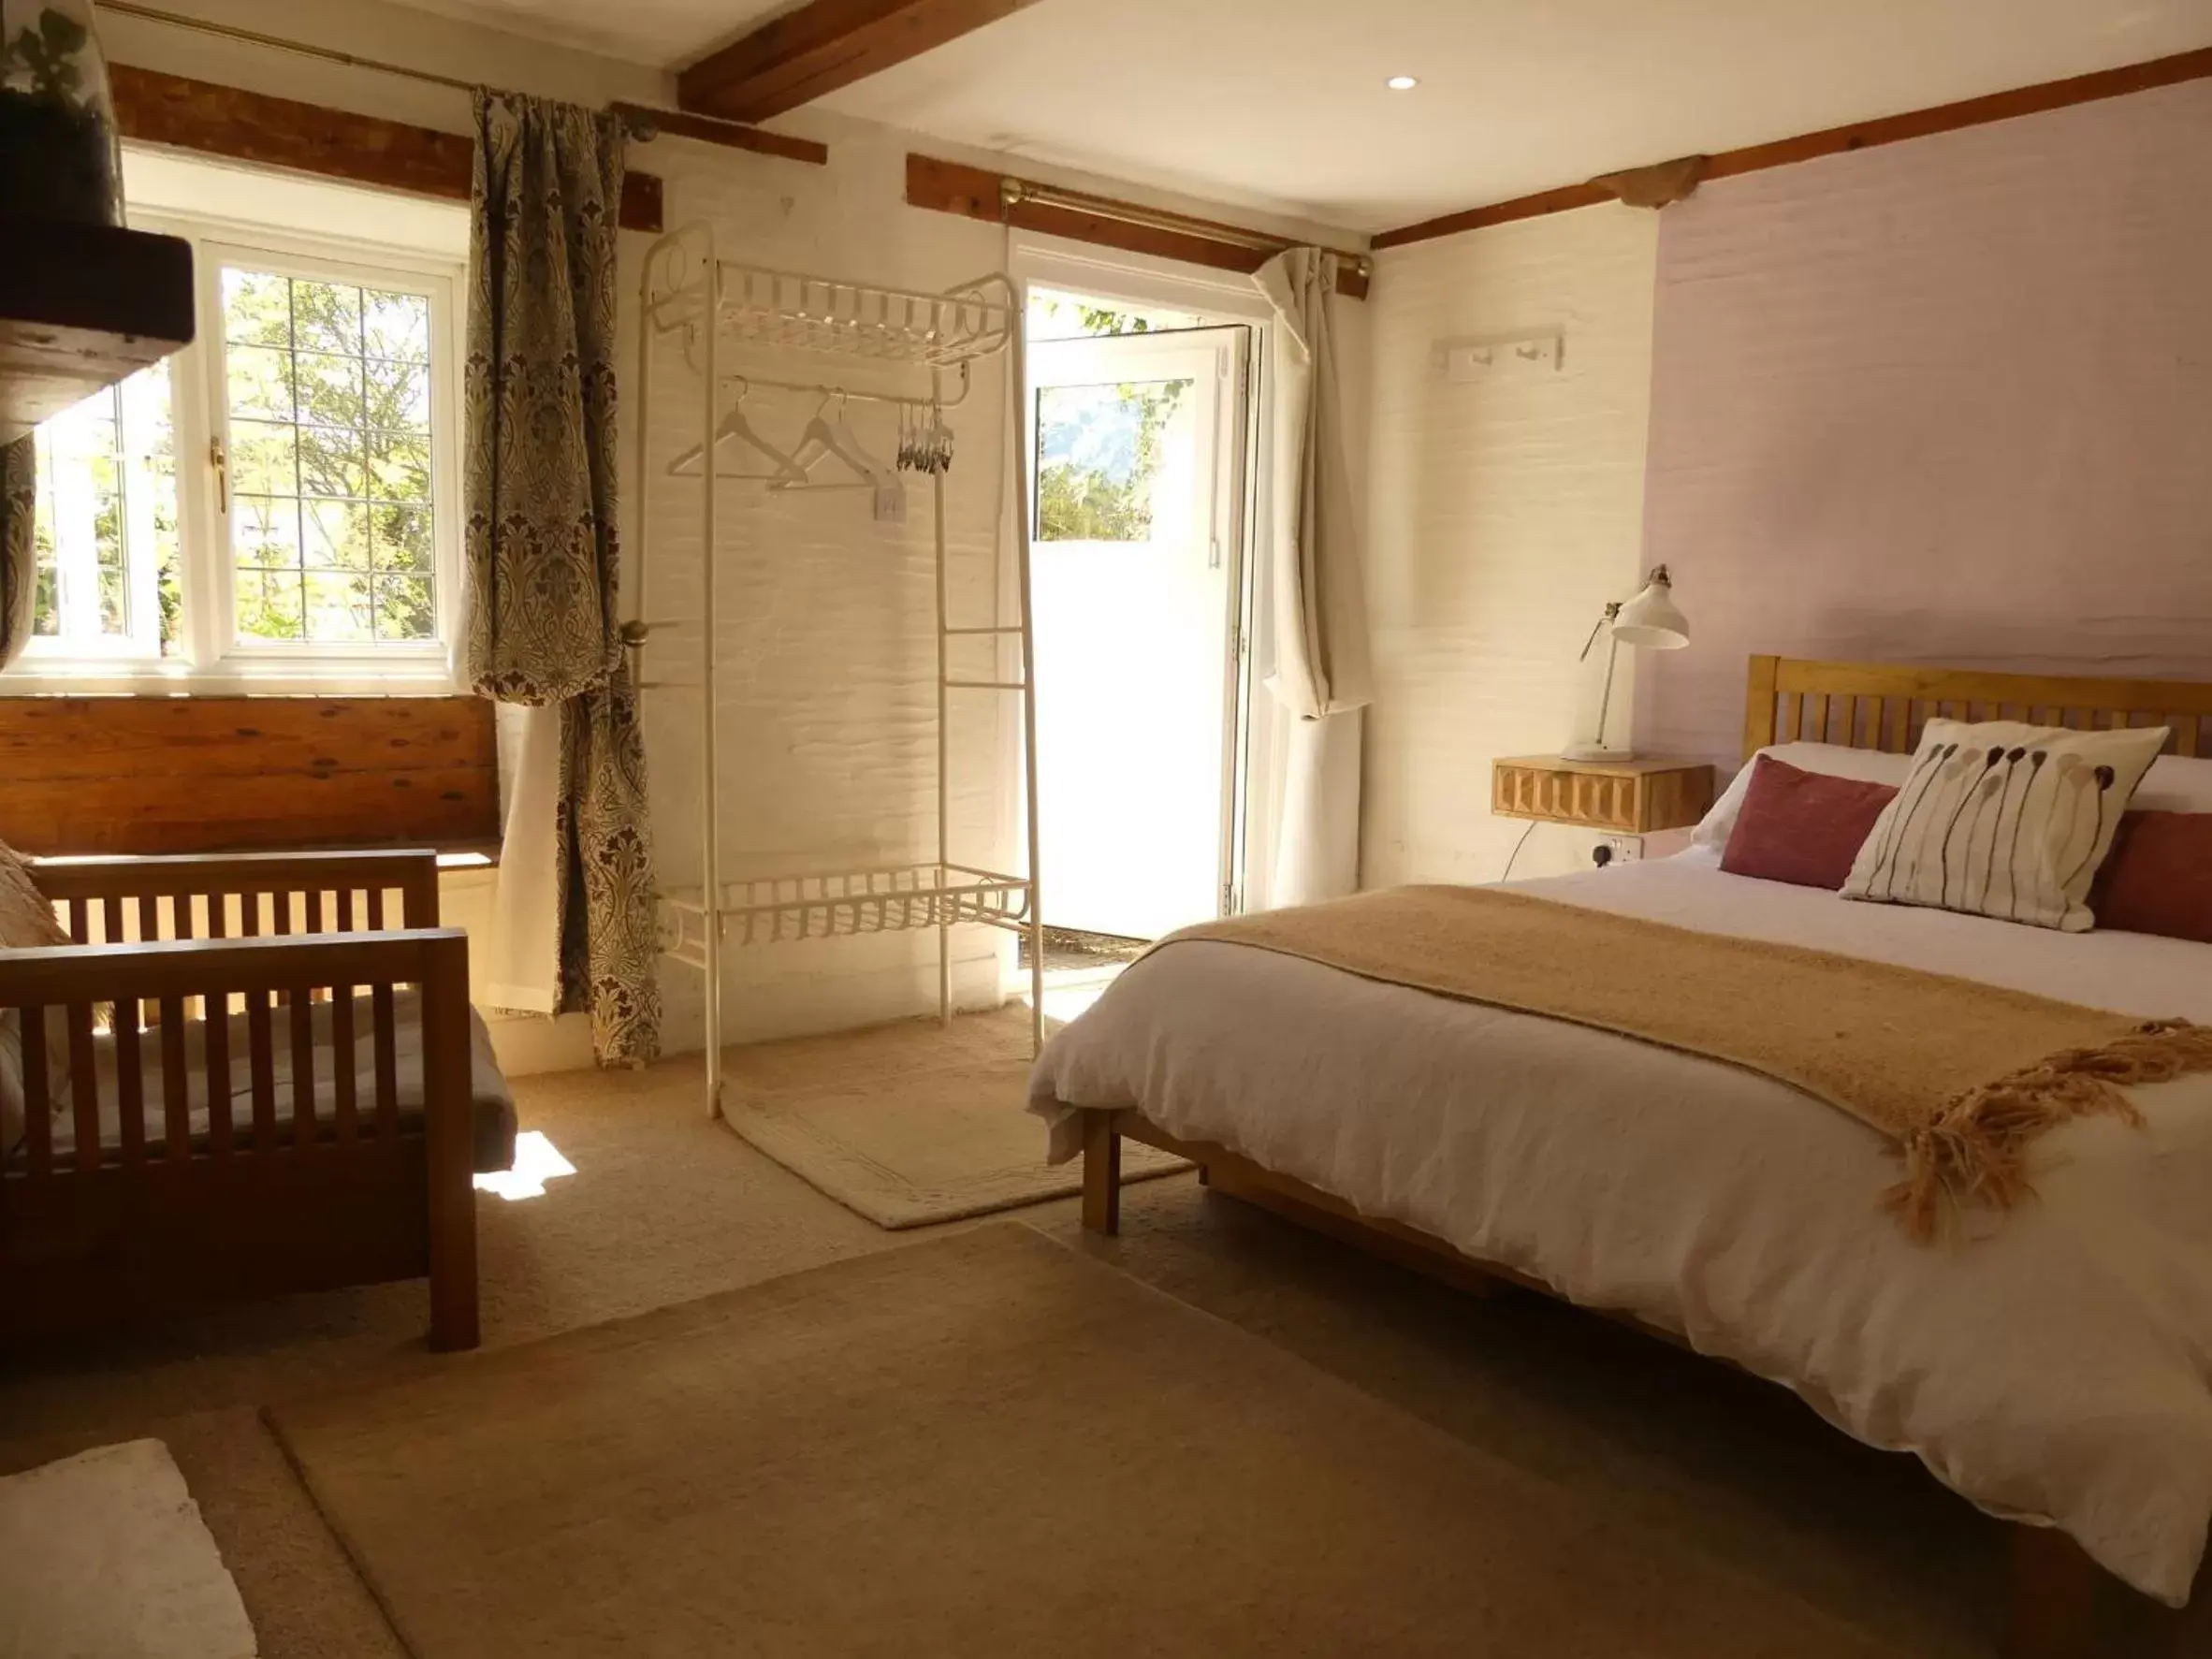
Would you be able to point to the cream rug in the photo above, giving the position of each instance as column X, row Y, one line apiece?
column 104, row 1556
column 909, row 1124
column 983, row 1445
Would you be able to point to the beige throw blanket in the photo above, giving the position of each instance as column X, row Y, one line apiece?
column 1960, row 1075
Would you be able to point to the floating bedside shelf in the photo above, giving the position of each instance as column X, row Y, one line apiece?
column 1637, row 797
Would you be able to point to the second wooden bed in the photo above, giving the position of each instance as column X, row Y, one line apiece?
column 276, row 1085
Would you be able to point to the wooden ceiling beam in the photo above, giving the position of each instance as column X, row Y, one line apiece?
column 1838, row 140
column 158, row 109
column 1103, row 221
column 826, row 44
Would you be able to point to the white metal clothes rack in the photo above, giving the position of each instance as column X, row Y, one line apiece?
column 718, row 307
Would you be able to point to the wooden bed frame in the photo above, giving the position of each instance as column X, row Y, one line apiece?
column 1857, row 704
column 267, row 1206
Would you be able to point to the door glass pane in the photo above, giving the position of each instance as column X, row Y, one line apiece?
column 329, row 400
column 1057, row 315
column 1139, row 441
column 1098, row 450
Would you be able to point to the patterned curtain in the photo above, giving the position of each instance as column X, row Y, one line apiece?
column 19, row 570
column 540, row 553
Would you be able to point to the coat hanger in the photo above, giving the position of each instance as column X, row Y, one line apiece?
column 734, row 425
column 824, row 438
column 850, row 444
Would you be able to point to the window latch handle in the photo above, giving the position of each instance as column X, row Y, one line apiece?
column 221, row 463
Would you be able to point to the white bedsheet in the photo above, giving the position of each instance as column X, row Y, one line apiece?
column 2058, row 1367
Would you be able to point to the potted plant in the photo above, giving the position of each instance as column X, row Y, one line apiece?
column 58, row 157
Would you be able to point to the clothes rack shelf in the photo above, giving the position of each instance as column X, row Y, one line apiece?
column 717, row 308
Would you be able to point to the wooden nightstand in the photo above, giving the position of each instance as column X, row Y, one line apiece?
column 1623, row 798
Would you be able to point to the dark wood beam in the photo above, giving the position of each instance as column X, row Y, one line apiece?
column 1838, row 140
column 826, row 44
column 974, row 192
column 158, row 109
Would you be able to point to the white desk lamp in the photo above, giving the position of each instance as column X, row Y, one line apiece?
column 1651, row 620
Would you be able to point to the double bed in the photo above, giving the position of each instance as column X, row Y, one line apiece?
column 2053, row 1365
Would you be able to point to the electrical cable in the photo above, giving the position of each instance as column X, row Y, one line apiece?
column 1516, row 847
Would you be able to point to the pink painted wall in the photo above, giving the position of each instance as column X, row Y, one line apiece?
column 1945, row 402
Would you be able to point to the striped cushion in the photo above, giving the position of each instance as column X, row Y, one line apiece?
column 2004, row 820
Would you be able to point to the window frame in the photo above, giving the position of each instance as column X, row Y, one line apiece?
column 210, row 656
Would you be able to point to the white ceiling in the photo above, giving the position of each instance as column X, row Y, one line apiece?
column 655, row 32
column 1280, row 104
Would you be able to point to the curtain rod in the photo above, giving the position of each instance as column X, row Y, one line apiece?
column 1014, row 192
column 639, row 118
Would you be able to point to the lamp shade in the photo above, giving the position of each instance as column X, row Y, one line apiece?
column 1652, row 620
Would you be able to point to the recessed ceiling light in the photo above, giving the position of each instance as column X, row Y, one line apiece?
column 1402, row 82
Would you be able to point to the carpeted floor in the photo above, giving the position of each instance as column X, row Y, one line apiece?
column 940, row 1146
column 986, row 1444
column 666, row 1206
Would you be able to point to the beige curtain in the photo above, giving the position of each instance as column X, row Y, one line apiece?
column 1317, row 606
column 542, row 555
column 18, row 569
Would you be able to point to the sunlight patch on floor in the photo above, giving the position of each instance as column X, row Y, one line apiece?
column 537, row 1160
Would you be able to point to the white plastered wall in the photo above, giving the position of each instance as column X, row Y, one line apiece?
column 825, row 637
column 1503, row 514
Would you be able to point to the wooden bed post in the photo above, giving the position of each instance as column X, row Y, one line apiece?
column 419, row 890
column 2054, row 1597
column 1759, row 705
column 449, row 1076
column 1101, row 1174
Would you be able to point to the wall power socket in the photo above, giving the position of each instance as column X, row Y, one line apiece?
column 1613, row 850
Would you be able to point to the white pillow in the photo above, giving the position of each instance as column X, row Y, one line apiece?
column 2176, row 783
column 2004, row 820
column 1866, row 766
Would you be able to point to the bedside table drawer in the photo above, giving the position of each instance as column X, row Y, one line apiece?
column 1629, row 797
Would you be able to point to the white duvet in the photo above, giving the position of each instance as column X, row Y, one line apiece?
column 2058, row 1367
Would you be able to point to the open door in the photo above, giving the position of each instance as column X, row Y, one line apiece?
column 1138, row 450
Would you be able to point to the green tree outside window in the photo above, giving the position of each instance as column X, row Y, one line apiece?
column 328, row 388
column 1099, row 446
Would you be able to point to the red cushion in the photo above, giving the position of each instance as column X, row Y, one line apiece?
column 1802, row 827
column 2158, row 877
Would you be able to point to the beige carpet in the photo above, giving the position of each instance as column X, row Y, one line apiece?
column 984, row 1445
column 909, row 1124
column 668, row 1205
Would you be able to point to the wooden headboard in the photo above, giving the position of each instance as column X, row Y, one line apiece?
column 1883, row 706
